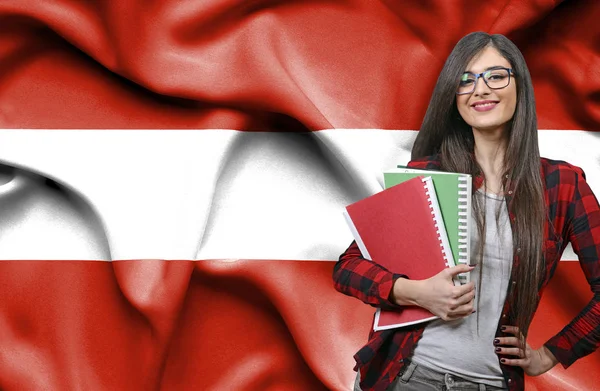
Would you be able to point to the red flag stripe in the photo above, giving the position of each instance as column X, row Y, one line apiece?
column 221, row 65
column 209, row 325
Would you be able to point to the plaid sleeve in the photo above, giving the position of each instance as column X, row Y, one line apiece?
column 582, row 336
column 368, row 281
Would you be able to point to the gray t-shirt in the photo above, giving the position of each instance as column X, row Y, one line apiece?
column 459, row 347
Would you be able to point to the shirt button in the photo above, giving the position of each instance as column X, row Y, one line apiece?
column 514, row 283
column 509, row 381
column 510, row 192
column 506, row 176
column 503, row 316
column 519, row 249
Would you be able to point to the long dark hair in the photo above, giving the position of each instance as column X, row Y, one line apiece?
column 444, row 132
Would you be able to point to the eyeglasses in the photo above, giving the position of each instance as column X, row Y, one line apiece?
column 496, row 79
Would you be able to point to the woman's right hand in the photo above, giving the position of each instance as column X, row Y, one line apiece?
column 438, row 293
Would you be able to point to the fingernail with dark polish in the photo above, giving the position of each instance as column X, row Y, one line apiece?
column 496, row 341
column 502, row 360
column 503, row 328
column 498, row 349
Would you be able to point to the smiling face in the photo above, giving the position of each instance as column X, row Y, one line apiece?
column 487, row 109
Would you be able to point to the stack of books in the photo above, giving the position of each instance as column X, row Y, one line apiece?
column 417, row 226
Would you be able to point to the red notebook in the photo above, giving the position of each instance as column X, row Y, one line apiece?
column 401, row 228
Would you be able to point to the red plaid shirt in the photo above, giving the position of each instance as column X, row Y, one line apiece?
column 574, row 214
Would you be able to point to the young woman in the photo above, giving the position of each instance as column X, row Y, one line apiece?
column 481, row 120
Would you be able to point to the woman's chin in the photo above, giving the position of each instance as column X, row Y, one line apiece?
column 489, row 127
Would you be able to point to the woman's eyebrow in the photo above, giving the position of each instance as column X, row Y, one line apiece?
column 487, row 69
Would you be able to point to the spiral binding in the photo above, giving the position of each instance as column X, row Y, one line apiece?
column 435, row 222
column 464, row 209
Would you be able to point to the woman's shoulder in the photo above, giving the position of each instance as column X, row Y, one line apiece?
column 430, row 162
column 560, row 169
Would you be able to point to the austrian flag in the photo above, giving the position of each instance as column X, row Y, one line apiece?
column 173, row 176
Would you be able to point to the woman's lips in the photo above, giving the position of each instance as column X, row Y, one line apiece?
column 484, row 105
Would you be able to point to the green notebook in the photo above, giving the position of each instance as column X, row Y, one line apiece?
column 454, row 192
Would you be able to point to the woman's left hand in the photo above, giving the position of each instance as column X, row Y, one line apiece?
column 534, row 362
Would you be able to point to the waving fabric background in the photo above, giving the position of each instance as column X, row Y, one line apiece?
column 221, row 139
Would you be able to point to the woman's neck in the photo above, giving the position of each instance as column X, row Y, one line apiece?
column 490, row 147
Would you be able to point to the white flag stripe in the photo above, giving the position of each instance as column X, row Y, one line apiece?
column 207, row 194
